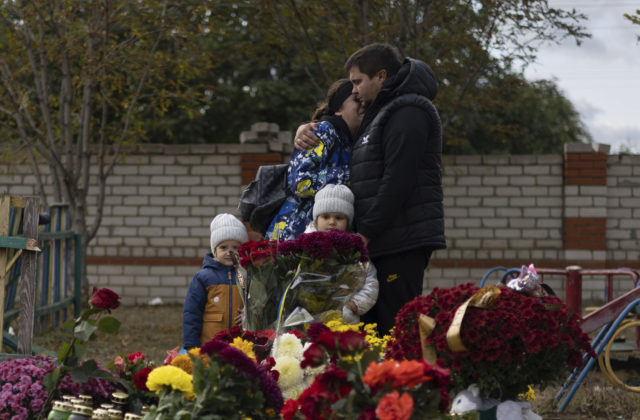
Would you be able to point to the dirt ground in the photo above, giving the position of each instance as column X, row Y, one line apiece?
column 154, row 330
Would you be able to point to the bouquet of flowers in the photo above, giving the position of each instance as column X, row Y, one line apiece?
column 133, row 371
column 268, row 265
column 512, row 342
column 355, row 384
column 225, row 382
column 328, row 273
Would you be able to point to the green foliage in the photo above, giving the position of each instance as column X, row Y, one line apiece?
column 509, row 115
column 202, row 72
column 72, row 356
column 635, row 19
column 470, row 45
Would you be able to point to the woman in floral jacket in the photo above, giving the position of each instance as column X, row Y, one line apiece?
column 328, row 163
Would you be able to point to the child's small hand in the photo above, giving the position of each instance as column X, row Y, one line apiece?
column 237, row 320
column 352, row 306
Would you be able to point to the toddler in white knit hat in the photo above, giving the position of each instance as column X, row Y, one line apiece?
column 333, row 209
column 213, row 302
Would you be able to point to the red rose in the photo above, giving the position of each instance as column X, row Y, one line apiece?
column 316, row 329
column 105, row 299
column 313, row 356
column 327, row 339
column 352, row 341
column 140, row 378
column 134, row 357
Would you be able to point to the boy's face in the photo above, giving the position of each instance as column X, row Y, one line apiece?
column 332, row 221
column 222, row 253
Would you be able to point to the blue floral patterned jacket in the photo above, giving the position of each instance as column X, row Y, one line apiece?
column 309, row 171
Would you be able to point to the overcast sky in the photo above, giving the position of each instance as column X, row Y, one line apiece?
column 602, row 76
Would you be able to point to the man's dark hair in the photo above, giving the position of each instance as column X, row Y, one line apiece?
column 372, row 58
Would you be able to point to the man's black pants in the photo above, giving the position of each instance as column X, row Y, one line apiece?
column 400, row 277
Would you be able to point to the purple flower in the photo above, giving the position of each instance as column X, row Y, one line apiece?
column 248, row 368
column 22, row 394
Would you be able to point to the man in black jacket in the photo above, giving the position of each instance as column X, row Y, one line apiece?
column 396, row 173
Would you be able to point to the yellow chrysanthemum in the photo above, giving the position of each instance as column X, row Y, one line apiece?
column 337, row 325
column 530, row 395
column 183, row 362
column 171, row 377
column 290, row 372
column 287, row 345
column 244, row 346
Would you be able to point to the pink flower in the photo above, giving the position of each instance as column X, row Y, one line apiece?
column 171, row 354
column 118, row 362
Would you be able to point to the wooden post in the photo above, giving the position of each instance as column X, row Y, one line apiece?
column 573, row 289
column 5, row 206
column 27, row 285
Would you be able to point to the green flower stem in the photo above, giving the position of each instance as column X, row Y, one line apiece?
column 67, row 354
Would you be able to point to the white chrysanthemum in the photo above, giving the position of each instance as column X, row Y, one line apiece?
column 287, row 345
column 291, row 374
column 293, row 392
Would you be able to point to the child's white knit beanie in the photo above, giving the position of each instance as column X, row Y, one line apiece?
column 334, row 198
column 226, row 227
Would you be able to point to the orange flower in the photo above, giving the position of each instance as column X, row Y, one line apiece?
column 395, row 407
column 377, row 374
column 183, row 362
column 409, row 373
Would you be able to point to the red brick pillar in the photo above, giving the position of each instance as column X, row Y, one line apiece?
column 249, row 164
column 585, row 184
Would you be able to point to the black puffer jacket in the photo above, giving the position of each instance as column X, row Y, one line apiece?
column 396, row 165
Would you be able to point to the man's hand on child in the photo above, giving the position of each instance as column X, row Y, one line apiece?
column 305, row 137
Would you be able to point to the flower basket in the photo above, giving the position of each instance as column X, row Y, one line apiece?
column 514, row 342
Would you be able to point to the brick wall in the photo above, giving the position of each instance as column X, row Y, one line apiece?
column 580, row 208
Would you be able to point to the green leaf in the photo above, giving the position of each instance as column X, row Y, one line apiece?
column 89, row 366
column 63, row 351
column 50, row 379
column 87, row 313
column 80, row 350
column 78, row 375
column 84, row 330
column 109, row 325
column 69, row 324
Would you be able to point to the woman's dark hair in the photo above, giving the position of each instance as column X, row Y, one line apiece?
column 338, row 92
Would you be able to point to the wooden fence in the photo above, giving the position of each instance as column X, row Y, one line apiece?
column 40, row 270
